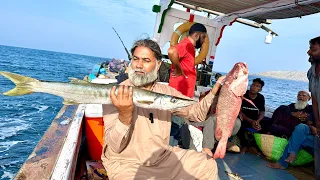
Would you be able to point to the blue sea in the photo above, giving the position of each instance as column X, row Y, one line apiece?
column 24, row 119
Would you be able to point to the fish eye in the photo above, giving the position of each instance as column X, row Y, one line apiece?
column 235, row 77
column 173, row 100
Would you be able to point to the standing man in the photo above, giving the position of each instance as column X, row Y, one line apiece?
column 183, row 72
column 314, row 88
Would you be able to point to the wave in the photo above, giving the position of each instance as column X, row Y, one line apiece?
column 40, row 107
column 12, row 127
column 5, row 146
column 7, row 174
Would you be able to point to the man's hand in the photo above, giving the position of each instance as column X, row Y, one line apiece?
column 318, row 129
column 313, row 130
column 178, row 72
column 123, row 101
column 300, row 115
column 215, row 90
column 256, row 125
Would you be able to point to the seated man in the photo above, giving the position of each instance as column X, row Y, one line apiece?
column 252, row 116
column 136, row 147
column 302, row 136
column 208, row 130
column 285, row 118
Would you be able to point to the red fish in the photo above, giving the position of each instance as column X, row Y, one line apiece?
column 229, row 104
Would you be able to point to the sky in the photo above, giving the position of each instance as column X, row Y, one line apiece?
column 85, row 27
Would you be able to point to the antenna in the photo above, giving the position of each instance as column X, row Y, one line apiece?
column 129, row 56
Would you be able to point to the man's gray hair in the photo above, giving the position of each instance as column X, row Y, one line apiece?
column 155, row 48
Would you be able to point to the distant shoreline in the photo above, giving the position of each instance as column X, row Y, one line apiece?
column 288, row 75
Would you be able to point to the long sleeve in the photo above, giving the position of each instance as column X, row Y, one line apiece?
column 197, row 112
column 116, row 133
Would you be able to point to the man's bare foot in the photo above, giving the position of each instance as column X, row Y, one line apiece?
column 291, row 158
column 275, row 165
column 231, row 147
column 244, row 150
column 255, row 151
column 207, row 151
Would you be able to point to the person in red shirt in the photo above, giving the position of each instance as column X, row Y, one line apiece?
column 183, row 72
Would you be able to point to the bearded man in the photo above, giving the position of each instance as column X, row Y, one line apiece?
column 286, row 118
column 136, row 140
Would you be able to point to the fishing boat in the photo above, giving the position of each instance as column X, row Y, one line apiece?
column 72, row 145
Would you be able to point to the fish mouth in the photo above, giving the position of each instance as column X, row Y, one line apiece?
column 244, row 67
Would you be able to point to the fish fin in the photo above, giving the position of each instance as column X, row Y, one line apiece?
column 69, row 102
column 145, row 102
column 78, row 81
column 17, row 91
column 21, row 82
column 249, row 101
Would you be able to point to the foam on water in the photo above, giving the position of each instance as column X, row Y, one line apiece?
column 8, row 175
column 24, row 119
column 40, row 107
column 5, row 146
column 10, row 127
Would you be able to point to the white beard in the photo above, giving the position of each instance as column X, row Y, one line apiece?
column 142, row 80
column 301, row 105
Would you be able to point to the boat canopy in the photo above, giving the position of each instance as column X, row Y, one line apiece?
column 255, row 13
column 258, row 10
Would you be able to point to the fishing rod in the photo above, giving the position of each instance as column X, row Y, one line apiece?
column 129, row 56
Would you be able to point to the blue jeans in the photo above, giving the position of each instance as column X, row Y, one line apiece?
column 176, row 125
column 301, row 137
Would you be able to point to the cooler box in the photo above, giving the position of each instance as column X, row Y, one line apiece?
column 94, row 130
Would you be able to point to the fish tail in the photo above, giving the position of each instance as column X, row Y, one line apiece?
column 22, row 83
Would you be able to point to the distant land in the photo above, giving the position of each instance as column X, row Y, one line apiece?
column 290, row 75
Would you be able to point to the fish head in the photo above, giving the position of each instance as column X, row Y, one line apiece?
column 237, row 79
column 166, row 102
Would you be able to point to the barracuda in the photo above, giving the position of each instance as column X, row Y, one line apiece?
column 83, row 92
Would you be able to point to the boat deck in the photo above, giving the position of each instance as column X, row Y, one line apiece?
column 250, row 166
column 247, row 166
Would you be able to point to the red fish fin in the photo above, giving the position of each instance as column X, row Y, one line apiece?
column 221, row 149
column 249, row 101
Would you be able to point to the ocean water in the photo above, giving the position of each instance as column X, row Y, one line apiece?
column 24, row 119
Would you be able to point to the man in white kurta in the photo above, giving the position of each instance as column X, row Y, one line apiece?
column 138, row 148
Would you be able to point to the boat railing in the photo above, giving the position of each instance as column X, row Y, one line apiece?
column 57, row 151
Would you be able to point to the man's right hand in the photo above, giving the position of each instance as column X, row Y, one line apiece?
column 123, row 101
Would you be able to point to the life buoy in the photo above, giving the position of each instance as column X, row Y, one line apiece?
column 184, row 28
